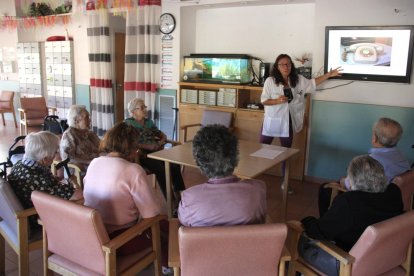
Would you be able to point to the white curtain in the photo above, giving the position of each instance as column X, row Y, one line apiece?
column 100, row 60
column 142, row 54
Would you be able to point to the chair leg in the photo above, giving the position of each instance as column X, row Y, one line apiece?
column 23, row 263
column 2, row 256
column 2, row 116
column 14, row 117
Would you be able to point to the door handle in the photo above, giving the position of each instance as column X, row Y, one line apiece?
column 119, row 85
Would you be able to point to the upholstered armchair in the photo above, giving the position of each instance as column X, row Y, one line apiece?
column 6, row 105
column 406, row 183
column 210, row 117
column 232, row 250
column 14, row 229
column 384, row 248
column 32, row 112
column 80, row 245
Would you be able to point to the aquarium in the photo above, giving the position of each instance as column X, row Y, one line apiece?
column 217, row 68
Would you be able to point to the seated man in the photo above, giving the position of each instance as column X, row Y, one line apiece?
column 370, row 200
column 225, row 199
column 385, row 136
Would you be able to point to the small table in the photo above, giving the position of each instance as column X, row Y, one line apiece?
column 248, row 167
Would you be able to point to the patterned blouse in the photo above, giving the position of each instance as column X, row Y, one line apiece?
column 27, row 176
column 148, row 133
column 80, row 145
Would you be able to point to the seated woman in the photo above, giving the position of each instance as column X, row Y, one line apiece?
column 78, row 142
column 152, row 139
column 225, row 199
column 118, row 187
column 369, row 200
column 32, row 173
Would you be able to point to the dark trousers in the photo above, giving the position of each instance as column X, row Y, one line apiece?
column 158, row 168
column 284, row 141
column 317, row 258
column 143, row 241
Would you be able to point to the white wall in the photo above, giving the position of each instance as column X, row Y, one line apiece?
column 363, row 13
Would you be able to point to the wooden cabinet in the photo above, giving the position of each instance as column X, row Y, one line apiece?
column 247, row 121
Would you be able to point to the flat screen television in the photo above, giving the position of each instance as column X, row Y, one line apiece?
column 217, row 68
column 374, row 53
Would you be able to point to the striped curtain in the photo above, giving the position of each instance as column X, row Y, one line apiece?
column 99, row 42
column 142, row 54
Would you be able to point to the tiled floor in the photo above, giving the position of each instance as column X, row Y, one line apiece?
column 303, row 202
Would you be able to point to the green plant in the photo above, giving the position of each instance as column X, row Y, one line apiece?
column 40, row 9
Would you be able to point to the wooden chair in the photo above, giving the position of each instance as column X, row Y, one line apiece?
column 73, row 170
column 14, row 229
column 211, row 117
column 7, row 105
column 384, row 248
column 79, row 243
column 230, row 250
column 32, row 112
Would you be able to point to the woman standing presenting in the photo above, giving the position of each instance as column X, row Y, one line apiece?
column 283, row 98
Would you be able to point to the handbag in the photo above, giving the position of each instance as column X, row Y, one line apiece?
column 53, row 124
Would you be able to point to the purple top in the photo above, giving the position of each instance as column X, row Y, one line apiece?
column 392, row 159
column 224, row 201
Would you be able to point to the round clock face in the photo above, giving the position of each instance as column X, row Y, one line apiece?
column 167, row 23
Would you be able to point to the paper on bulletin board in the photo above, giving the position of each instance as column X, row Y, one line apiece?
column 167, row 63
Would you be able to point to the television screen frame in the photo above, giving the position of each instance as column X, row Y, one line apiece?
column 366, row 53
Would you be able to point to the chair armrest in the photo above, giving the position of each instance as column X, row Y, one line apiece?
column 22, row 113
column 191, row 125
column 26, row 213
column 131, row 233
column 295, row 230
column 335, row 186
column 173, row 248
column 339, row 254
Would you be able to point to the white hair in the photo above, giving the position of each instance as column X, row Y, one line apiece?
column 75, row 112
column 40, row 145
column 134, row 103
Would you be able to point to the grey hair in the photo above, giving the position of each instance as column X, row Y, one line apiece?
column 39, row 145
column 367, row 174
column 75, row 112
column 134, row 103
column 387, row 131
column 216, row 151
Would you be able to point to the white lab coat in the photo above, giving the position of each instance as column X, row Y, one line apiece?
column 276, row 117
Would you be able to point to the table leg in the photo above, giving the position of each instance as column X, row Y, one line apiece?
column 168, row 187
column 285, row 189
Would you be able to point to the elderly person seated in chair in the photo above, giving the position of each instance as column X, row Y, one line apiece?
column 119, row 189
column 386, row 133
column 78, row 142
column 152, row 139
column 225, row 199
column 32, row 173
column 370, row 199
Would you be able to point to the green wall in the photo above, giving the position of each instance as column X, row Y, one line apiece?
column 340, row 131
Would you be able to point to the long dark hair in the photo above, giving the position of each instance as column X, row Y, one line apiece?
column 293, row 76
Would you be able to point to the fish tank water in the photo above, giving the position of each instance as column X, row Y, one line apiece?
column 217, row 68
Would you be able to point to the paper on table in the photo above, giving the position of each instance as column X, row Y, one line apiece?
column 267, row 153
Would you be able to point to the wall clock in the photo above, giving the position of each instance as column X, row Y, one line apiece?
column 167, row 23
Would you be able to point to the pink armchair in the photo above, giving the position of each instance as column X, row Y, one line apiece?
column 406, row 183
column 6, row 105
column 76, row 241
column 32, row 112
column 383, row 249
column 232, row 250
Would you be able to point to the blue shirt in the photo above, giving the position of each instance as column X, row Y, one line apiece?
column 392, row 159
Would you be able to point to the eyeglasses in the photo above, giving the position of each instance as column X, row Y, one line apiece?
column 141, row 108
column 284, row 64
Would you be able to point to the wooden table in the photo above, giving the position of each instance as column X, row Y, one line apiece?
column 248, row 167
